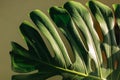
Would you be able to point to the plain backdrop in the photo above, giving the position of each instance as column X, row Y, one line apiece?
column 12, row 13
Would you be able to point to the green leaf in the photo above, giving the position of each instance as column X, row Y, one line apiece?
column 104, row 16
column 50, row 32
column 106, row 20
column 21, row 60
column 83, row 21
column 94, row 59
column 60, row 15
column 34, row 76
column 37, row 57
column 117, row 17
column 29, row 60
column 35, row 41
column 115, row 75
column 116, row 8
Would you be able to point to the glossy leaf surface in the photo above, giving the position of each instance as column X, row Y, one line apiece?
column 47, row 55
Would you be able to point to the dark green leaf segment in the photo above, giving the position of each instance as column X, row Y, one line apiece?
column 94, row 58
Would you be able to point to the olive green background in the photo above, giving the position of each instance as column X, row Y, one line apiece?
column 12, row 13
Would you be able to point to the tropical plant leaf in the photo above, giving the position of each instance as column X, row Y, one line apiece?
column 60, row 15
column 36, row 57
column 94, row 59
column 101, row 12
column 34, row 76
column 80, row 16
column 31, row 59
column 117, row 17
column 105, row 18
column 116, row 8
column 49, row 31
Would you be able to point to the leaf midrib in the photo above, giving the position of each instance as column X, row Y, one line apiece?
column 65, row 70
column 70, row 71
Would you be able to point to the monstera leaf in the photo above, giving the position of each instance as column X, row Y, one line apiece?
column 117, row 27
column 95, row 48
column 117, row 15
